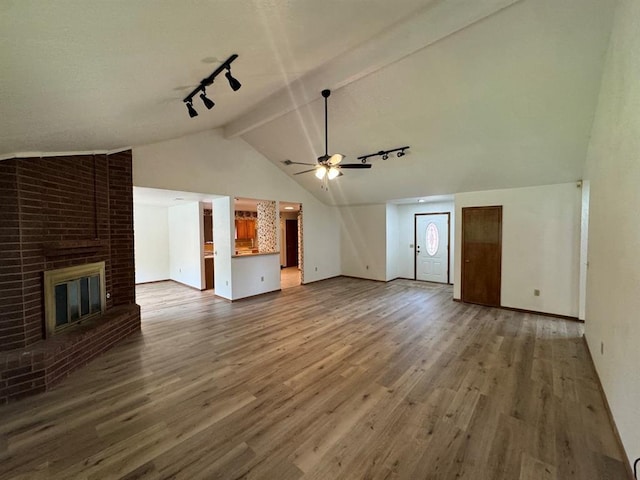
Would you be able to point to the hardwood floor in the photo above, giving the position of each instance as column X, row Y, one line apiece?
column 289, row 277
column 340, row 379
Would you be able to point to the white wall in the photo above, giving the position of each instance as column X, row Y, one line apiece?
column 208, row 163
column 151, row 234
column 406, row 235
column 186, row 263
column 253, row 275
column 363, row 243
column 540, row 245
column 223, row 244
column 393, row 254
column 613, row 280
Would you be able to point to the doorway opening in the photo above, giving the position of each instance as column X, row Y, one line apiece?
column 431, row 239
column 291, row 257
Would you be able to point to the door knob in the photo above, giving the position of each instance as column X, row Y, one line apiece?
column 466, row 261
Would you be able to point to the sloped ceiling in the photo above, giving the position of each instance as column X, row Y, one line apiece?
column 495, row 102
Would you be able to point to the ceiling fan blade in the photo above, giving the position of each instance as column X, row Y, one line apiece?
column 290, row 162
column 305, row 171
column 355, row 165
column 335, row 159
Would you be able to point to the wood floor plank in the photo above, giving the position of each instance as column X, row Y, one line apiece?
column 341, row 379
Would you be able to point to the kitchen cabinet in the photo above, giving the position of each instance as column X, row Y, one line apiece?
column 208, row 273
column 208, row 226
column 245, row 229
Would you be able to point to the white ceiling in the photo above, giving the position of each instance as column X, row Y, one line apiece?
column 494, row 102
column 99, row 75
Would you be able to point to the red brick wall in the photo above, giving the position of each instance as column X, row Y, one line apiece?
column 11, row 304
column 58, row 212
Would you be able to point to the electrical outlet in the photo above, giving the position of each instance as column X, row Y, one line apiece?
column 536, row 293
column 262, row 279
column 601, row 348
column 316, row 269
column 226, row 282
column 367, row 267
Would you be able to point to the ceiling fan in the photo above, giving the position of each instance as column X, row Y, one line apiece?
column 328, row 166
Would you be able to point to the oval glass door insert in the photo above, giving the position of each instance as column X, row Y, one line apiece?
column 433, row 239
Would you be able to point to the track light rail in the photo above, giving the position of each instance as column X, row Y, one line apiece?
column 205, row 82
column 384, row 154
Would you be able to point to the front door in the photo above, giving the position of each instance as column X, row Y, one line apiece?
column 432, row 247
column 481, row 255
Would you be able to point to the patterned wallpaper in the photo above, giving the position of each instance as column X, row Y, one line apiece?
column 267, row 226
column 300, row 251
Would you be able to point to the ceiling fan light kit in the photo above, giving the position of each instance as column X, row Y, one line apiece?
column 205, row 82
column 328, row 166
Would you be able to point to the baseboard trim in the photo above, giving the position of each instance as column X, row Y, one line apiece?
column 256, row 295
column 608, row 409
column 154, row 281
column 370, row 279
column 320, row 280
column 188, row 286
column 532, row 312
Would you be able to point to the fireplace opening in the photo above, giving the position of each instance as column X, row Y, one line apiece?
column 72, row 295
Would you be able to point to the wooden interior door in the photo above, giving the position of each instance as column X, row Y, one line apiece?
column 481, row 255
column 291, row 233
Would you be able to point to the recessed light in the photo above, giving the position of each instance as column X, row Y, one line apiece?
column 421, row 200
column 288, row 208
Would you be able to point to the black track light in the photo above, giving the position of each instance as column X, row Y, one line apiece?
column 233, row 82
column 192, row 111
column 200, row 90
column 206, row 100
column 384, row 154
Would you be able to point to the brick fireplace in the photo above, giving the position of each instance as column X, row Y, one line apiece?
column 56, row 213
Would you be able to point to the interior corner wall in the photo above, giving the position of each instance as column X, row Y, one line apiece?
column 151, row 234
column 540, row 245
column 363, row 241
column 185, row 244
column 208, row 163
column 613, row 278
column 223, row 241
column 393, row 252
column 406, row 235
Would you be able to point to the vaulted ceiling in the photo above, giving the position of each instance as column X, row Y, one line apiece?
column 488, row 94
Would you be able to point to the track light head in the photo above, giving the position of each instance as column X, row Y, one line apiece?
column 233, row 82
column 385, row 156
column 400, row 154
column 206, row 100
column 192, row 111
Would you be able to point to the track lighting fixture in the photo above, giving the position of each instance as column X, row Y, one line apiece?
column 206, row 100
column 192, row 111
column 205, row 82
column 384, row 154
column 233, row 82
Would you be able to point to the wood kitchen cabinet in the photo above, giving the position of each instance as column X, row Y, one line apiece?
column 208, row 274
column 208, row 226
column 245, row 229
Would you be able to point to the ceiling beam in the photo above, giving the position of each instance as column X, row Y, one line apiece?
column 437, row 21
